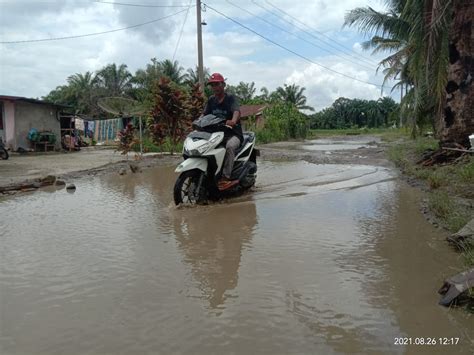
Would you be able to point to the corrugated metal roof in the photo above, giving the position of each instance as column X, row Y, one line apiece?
column 251, row 110
column 34, row 101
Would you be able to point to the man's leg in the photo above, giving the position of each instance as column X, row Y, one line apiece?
column 231, row 146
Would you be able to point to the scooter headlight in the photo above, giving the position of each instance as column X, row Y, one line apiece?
column 193, row 149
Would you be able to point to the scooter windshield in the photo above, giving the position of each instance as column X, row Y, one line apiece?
column 207, row 122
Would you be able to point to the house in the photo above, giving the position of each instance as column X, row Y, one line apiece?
column 18, row 115
column 252, row 116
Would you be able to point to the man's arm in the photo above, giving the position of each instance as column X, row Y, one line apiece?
column 235, row 107
column 235, row 118
column 207, row 108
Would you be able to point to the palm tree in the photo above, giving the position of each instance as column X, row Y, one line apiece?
column 82, row 81
column 144, row 78
column 265, row 94
column 116, row 81
column 244, row 91
column 415, row 32
column 82, row 90
column 172, row 70
column 192, row 75
column 457, row 123
column 293, row 94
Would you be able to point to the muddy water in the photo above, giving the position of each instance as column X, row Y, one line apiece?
column 345, row 144
column 325, row 259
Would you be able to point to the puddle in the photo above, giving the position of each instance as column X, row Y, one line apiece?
column 334, row 144
column 323, row 259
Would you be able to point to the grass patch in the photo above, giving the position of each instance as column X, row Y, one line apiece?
column 466, row 172
column 454, row 216
column 398, row 155
column 424, row 144
column 468, row 256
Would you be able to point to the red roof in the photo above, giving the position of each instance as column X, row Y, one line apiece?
column 251, row 110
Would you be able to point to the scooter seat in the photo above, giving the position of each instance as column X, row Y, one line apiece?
column 248, row 138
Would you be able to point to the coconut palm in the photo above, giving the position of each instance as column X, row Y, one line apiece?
column 415, row 32
column 192, row 75
column 293, row 94
column 116, row 81
column 172, row 70
column 82, row 92
column 144, row 78
column 457, row 123
column 244, row 91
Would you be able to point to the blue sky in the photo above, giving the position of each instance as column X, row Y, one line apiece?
column 33, row 69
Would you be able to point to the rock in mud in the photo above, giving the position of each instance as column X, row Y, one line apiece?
column 122, row 171
column 464, row 236
column 135, row 168
column 455, row 288
column 71, row 187
column 60, row 182
column 28, row 189
column 48, row 180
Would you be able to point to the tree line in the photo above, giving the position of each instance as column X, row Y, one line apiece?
column 357, row 113
column 82, row 90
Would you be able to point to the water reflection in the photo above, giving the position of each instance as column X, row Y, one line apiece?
column 212, row 241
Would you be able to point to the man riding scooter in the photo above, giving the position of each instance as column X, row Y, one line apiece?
column 225, row 105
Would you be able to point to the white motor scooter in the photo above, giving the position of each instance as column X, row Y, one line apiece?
column 204, row 151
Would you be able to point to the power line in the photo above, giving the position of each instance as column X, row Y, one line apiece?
column 357, row 55
column 299, row 37
column 182, row 28
column 95, row 33
column 346, row 51
column 135, row 5
column 289, row 50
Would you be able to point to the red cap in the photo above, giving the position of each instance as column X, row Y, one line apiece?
column 216, row 78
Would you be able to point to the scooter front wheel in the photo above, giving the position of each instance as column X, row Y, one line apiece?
column 190, row 188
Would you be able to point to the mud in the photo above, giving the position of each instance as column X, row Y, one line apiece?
column 364, row 150
column 22, row 171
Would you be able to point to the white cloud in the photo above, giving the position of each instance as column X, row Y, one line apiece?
column 357, row 47
column 34, row 69
column 323, row 87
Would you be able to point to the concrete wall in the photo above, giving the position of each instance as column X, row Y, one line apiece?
column 30, row 115
column 9, row 123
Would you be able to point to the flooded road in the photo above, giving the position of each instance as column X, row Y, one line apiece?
column 320, row 259
column 343, row 144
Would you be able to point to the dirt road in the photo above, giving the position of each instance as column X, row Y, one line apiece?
column 88, row 161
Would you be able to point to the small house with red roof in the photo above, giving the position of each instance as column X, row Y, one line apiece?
column 254, row 114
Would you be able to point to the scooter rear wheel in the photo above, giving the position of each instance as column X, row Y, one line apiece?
column 3, row 154
column 186, row 189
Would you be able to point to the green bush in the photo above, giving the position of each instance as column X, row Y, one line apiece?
column 282, row 122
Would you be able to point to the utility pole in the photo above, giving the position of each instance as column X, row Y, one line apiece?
column 199, row 39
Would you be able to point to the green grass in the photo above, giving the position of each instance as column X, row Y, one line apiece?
column 424, row 144
column 454, row 216
column 466, row 172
